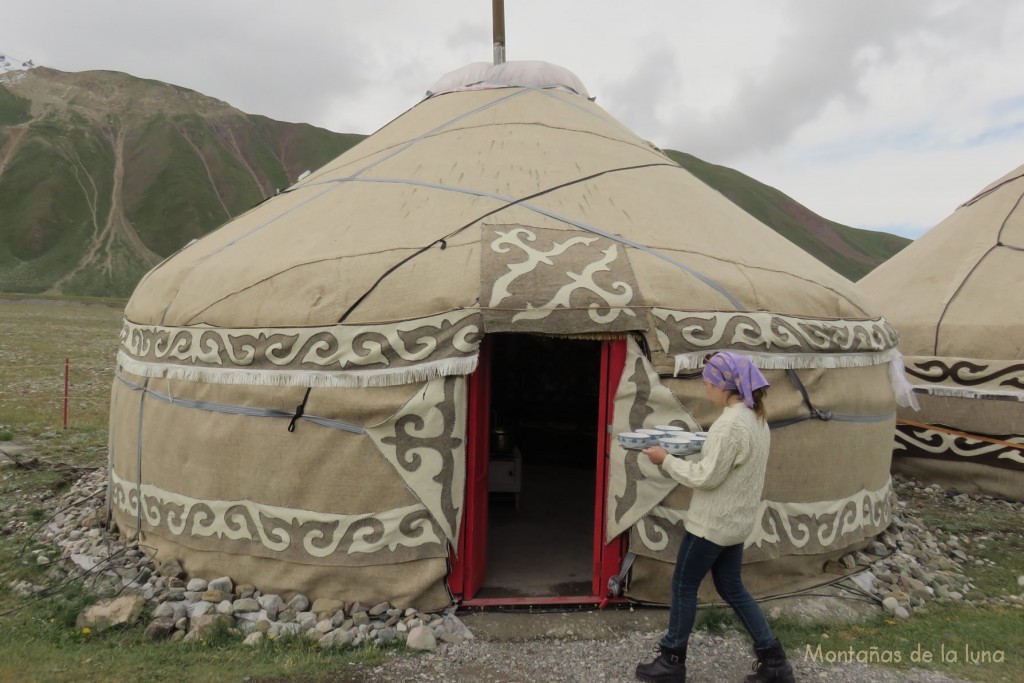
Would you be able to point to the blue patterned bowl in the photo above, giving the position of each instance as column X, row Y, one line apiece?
column 679, row 445
column 633, row 440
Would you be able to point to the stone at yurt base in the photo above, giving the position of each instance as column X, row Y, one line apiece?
column 906, row 568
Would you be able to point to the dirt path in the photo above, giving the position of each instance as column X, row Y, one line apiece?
column 7, row 151
column 116, row 226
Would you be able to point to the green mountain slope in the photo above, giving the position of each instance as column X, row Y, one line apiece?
column 103, row 174
column 852, row 252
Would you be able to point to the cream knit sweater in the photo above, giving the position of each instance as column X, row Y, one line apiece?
column 727, row 481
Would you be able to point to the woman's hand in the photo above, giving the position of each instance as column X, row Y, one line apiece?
column 657, row 454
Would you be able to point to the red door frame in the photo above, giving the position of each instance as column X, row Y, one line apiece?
column 469, row 564
column 607, row 556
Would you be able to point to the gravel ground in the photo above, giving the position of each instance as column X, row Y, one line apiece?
column 713, row 659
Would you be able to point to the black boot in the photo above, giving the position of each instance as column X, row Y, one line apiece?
column 771, row 665
column 669, row 667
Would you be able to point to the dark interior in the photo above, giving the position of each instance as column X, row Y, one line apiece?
column 544, row 407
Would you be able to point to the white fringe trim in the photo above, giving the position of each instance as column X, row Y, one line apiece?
column 792, row 361
column 387, row 377
column 901, row 388
column 962, row 392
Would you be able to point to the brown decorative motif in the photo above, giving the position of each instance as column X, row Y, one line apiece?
column 248, row 528
column 687, row 332
column 919, row 442
column 967, row 373
column 408, row 444
column 337, row 348
column 556, row 281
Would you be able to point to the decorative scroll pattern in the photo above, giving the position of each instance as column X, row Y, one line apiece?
column 784, row 528
column 338, row 355
column 245, row 527
column 968, row 377
column 424, row 442
column 586, row 279
column 919, row 442
column 635, row 484
column 681, row 332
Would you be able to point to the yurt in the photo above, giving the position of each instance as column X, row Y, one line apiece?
column 956, row 295
column 401, row 378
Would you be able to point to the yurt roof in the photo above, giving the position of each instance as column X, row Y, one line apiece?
column 514, row 198
column 955, row 291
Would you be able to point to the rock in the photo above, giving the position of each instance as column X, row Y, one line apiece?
column 254, row 638
column 178, row 636
column 338, row 618
column 387, row 635
column 271, row 603
column 901, row 613
column 113, row 612
column 224, row 607
column 401, row 627
column 198, row 609
column 159, row 629
column 324, row 626
column 890, row 604
column 164, row 609
column 175, row 594
column 359, row 618
column 321, row 605
column 246, row 605
column 955, row 595
column 306, row 620
column 224, row 584
column 899, row 595
column 245, row 590
column 421, row 638
column 42, row 560
column 193, row 596
column 833, row 567
column 196, row 585
column 205, row 624
column 1020, row 580
column 337, row 638
column 286, row 615
column 876, row 548
column 215, row 595
column 299, row 603
column 379, row 609
column 452, row 638
column 171, row 569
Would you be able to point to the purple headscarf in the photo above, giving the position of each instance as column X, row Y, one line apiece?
column 735, row 372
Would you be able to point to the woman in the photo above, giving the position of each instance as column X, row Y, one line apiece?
column 726, row 485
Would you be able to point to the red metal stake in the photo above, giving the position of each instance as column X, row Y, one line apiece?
column 67, row 365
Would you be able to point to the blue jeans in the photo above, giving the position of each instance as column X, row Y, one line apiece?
column 696, row 557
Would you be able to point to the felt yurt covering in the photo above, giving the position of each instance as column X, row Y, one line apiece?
column 505, row 201
column 956, row 295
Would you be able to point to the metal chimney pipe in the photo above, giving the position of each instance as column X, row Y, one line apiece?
column 498, row 24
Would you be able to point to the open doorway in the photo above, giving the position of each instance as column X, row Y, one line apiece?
column 544, row 415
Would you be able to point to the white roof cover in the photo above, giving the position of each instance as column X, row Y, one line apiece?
column 484, row 76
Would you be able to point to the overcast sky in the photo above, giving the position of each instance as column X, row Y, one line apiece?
column 880, row 114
